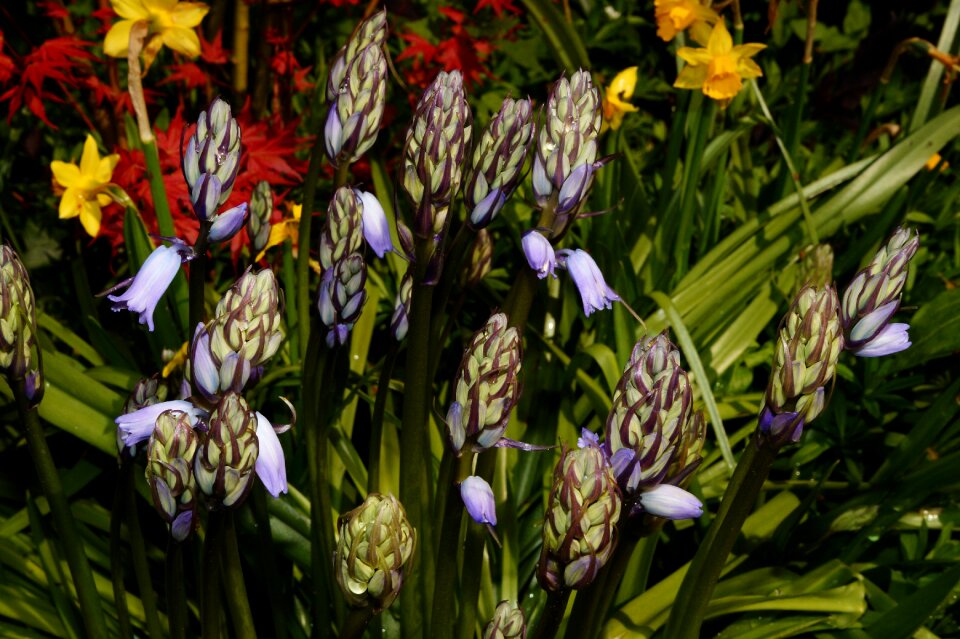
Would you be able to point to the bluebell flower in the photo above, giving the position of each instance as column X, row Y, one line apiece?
column 271, row 466
column 478, row 499
column 670, row 502
column 594, row 292
column 539, row 253
column 150, row 282
column 376, row 230
column 226, row 225
column 892, row 339
column 137, row 426
column 588, row 439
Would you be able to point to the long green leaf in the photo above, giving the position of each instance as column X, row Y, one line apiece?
column 563, row 38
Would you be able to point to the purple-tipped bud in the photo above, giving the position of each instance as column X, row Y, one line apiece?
column 228, row 223
column 150, row 283
column 357, row 110
column 892, row 339
column 137, row 426
column 376, row 230
column 478, row 499
column 341, row 297
column 670, row 502
column 204, row 371
column 593, row 289
column 539, row 253
column 205, row 196
column 575, row 187
column 271, row 466
column 211, row 159
column 258, row 222
column 399, row 323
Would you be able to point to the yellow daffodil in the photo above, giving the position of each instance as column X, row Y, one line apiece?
column 674, row 16
column 171, row 23
column 615, row 101
column 934, row 161
column 719, row 69
column 177, row 360
column 287, row 229
column 85, row 185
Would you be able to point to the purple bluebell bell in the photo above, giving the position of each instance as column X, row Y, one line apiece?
column 594, row 292
column 575, row 187
column 588, row 439
column 271, row 466
column 137, row 426
column 539, row 253
column 478, row 499
column 376, row 229
column 892, row 339
column 150, row 282
column 226, row 225
column 670, row 502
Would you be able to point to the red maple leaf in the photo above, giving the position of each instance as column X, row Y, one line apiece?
column 460, row 51
column 500, row 7
column 212, row 51
column 7, row 66
column 191, row 75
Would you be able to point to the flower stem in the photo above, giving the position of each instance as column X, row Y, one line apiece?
column 266, row 559
column 141, row 566
column 379, row 409
column 198, row 275
column 176, row 594
column 356, row 622
column 691, row 602
column 233, row 583
column 473, row 556
column 66, row 527
column 453, row 471
column 303, row 242
column 552, row 615
column 210, row 599
column 116, row 548
column 691, row 178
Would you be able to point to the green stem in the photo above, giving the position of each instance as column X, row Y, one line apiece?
column 267, row 560
column 552, row 615
column 289, row 284
column 451, row 271
column 157, row 190
column 66, row 527
column 198, row 276
column 356, row 622
column 691, row 602
column 210, row 596
column 691, row 179
column 233, row 583
column 674, row 140
column 453, row 471
column 176, row 590
column 473, row 556
column 379, row 410
column 116, row 547
column 413, row 433
column 304, row 243
column 141, row 566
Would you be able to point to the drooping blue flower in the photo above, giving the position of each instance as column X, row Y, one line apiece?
column 594, row 292
column 137, row 426
column 892, row 339
column 478, row 499
column 226, row 225
column 376, row 230
column 539, row 253
column 150, row 283
column 670, row 502
column 271, row 466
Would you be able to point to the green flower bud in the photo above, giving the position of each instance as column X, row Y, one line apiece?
column 342, row 296
column 169, row 472
column 507, row 622
column 342, row 235
column 19, row 351
column 258, row 221
column 481, row 258
column 370, row 32
column 211, row 159
column 356, row 112
column 399, row 323
column 146, row 392
column 579, row 531
column 652, row 410
column 816, row 266
column 487, row 386
column 375, row 543
column 225, row 463
column 805, row 361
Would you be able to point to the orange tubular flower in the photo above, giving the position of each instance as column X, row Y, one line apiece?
column 171, row 23
column 720, row 68
column 674, row 16
column 85, row 185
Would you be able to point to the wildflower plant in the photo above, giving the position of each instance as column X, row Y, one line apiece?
column 455, row 322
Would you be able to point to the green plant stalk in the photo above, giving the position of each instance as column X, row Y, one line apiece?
column 376, row 420
column 158, row 192
column 552, row 615
column 690, row 605
column 233, row 583
column 141, row 566
column 356, row 623
column 198, row 277
column 116, row 548
column 674, row 140
column 445, row 581
column 413, row 432
column 876, row 97
column 473, row 556
column 691, row 178
column 267, row 560
column 289, row 284
column 210, row 576
column 304, row 242
column 456, row 254
column 66, row 527
column 176, row 591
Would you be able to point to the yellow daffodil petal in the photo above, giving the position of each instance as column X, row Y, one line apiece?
column 279, row 233
column 188, row 14
column 160, row 6
column 90, row 159
column 720, row 42
column 296, row 210
column 71, row 203
column 103, row 199
column 151, row 49
column 130, row 9
column 691, row 77
column 723, row 86
column 315, row 266
column 118, row 39
column 700, row 32
column 182, row 40
column 65, row 174
column 748, row 50
column 748, row 69
column 105, row 168
column 695, row 57
column 177, row 361
column 90, row 215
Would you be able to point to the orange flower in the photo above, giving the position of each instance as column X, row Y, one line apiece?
column 720, row 68
column 674, row 16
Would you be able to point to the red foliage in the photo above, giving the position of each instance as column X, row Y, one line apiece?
column 63, row 61
column 191, row 75
column 340, row 3
column 459, row 51
column 7, row 66
column 500, row 7
column 53, row 9
column 212, row 51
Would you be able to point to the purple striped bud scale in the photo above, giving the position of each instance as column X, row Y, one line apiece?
column 146, row 392
column 169, row 471
column 507, row 622
column 356, row 112
column 579, row 531
column 211, row 158
column 399, row 323
column 342, row 235
column 226, row 460
column 481, row 258
column 261, row 210
column 341, row 297
column 19, row 350
column 370, row 32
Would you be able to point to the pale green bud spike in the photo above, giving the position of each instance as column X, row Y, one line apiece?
column 343, row 233
column 169, row 470
column 579, row 531
column 375, row 543
column 258, row 221
column 507, row 622
column 19, row 351
column 816, row 266
column 226, row 460
column 370, row 32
